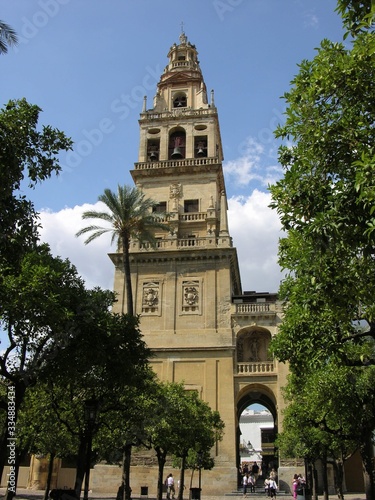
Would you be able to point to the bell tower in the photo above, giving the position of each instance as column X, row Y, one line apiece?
column 180, row 147
column 183, row 288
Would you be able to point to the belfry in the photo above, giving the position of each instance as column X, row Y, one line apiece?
column 202, row 328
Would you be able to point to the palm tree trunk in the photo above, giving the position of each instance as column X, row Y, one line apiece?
column 127, row 275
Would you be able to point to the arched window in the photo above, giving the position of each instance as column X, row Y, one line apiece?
column 176, row 147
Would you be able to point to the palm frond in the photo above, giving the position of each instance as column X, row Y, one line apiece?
column 97, row 231
column 8, row 37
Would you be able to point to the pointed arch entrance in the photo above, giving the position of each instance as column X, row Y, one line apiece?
column 259, row 394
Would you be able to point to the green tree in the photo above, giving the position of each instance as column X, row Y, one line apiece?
column 179, row 422
column 326, row 204
column 124, row 427
column 199, row 429
column 39, row 308
column 39, row 430
column 28, row 156
column 105, row 362
column 128, row 215
column 318, row 421
column 8, row 37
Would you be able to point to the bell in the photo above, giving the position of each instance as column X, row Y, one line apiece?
column 176, row 153
column 153, row 155
column 200, row 152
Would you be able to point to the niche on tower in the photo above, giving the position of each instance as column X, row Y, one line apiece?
column 177, row 144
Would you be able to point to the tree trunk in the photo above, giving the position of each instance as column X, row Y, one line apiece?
column 338, row 478
column 127, row 276
column 81, row 463
column 49, row 475
column 126, row 459
column 367, row 454
column 314, row 490
column 161, row 456
column 309, row 479
column 182, row 478
column 325, row 479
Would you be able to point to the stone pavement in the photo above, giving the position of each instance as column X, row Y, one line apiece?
column 26, row 494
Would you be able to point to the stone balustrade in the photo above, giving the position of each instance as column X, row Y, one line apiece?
column 185, row 162
column 256, row 308
column 258, row 367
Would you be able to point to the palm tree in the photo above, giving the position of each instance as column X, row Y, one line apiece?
column 7, row 37
column 130, row 216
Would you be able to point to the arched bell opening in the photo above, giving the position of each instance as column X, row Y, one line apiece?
column 200, row 146
column 180, row 100
column 256, row 431
column 153, row 149
column 177, row 144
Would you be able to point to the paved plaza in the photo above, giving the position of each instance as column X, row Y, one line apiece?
column 25, row 494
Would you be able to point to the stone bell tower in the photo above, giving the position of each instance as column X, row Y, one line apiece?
column 183, row 288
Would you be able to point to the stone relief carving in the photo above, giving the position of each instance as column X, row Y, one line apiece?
column 175, row 192
column 190, row 296
column 150, row 297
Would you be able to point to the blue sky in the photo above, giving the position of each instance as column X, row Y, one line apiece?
column 88, row 64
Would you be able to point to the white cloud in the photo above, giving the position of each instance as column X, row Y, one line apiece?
column 249, row 166
column 311, row 20
column 255, row 230
column 91, row 261
column 254, row 227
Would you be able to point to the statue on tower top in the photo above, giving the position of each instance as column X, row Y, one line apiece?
column 183, row 37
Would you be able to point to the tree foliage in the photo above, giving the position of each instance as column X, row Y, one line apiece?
column 180, row 422
column 326, row 205
column 357, row 15
column 28, row 156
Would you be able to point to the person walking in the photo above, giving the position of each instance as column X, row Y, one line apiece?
column 255, row 470
column 170, row 487
column 245, row 482
column 272, row 488
column 251, row 483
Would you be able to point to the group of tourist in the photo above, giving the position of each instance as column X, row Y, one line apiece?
column 250, row 476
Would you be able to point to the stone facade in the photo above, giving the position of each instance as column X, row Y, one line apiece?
column 202, row 328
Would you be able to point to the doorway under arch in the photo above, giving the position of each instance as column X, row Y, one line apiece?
column 263, row 417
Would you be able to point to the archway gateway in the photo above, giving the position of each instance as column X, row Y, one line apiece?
column 257, row 430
